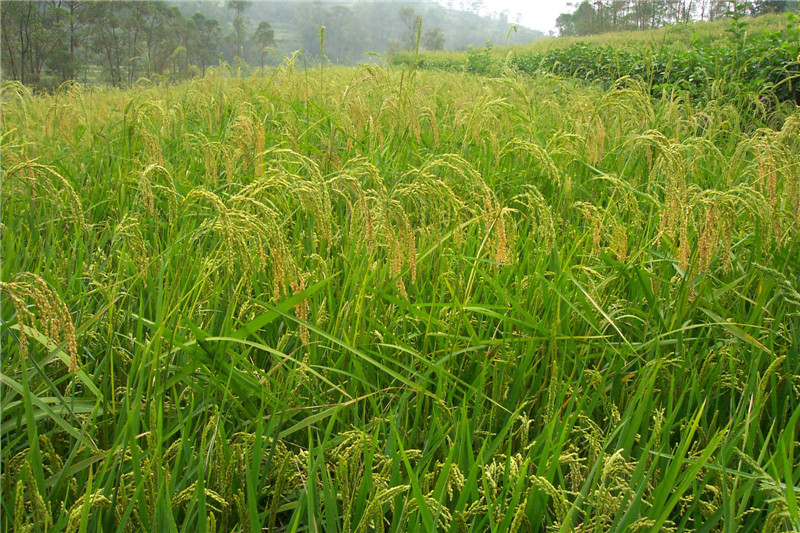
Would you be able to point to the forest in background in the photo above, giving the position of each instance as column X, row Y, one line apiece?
column 601, row 16
column 48, row 42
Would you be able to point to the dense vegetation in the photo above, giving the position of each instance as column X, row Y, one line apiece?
column 380, row 299
column 765, row 63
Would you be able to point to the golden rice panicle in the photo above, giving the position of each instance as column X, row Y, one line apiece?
column 399, row 236
column 53, row 184
column 501, row 246
column 428, row 112
column 308, row 185
column 54, row 317
column 20, row 512
column 260, row 164
column 684, row 248
column 396, row 260
column 229, row 159
column 709, row 233
column 629, row 104
column 592, row 216
column 411, row 247
column 243, row 134
column 375, row 129
column 533, row 206
column 619, row 241
column 727, row 245
column 82, row 506
column 260, row 225
column 363, row 181
column 147, row 186
column 494, row 215
column 541, row 156
column 211, row 156
column 246, row 228
column 223, row 224
column 598, row 144
column 302, row 309
column 367, row 221
column 39, row 510
column 671, row 166
column 146, row 193
column 768, row 175
column 152, row 148
column 128, row 231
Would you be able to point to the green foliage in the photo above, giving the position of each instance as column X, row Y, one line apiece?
column 765, row 64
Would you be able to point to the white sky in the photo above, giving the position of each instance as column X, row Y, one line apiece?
column 537, row 14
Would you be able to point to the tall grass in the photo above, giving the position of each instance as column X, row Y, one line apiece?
column 381, row 300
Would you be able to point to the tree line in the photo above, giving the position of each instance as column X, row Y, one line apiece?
column 598, row 16
column 354, row 29
column 48, row 42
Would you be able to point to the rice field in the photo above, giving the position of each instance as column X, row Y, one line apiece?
column 379, row 299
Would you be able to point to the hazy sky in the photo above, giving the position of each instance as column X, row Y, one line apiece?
column 536, row 14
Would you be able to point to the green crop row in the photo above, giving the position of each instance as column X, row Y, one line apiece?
column 766, row 63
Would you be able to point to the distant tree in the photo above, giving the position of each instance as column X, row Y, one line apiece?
column 345, row 35
column 107, row 30
column 239, row 23
column 264, row 37
column 75, row 9
column 775, row 6
column 205, row 41
column 393, row 48
column 153, row 19
column 32, row 31
column 433, row 39
column 473, row 6
column 585, row 19
column 132, row 26
column 565, row 24
column 61, row 58
column 597, row 16
column 12, row 20
column 411, row 23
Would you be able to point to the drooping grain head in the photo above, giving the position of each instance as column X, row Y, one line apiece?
column 51, row 183
column 302, row 309
column 52, row 313
column 619, row 241
column 592, row 215
column 708, row 238
column 684, row 247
